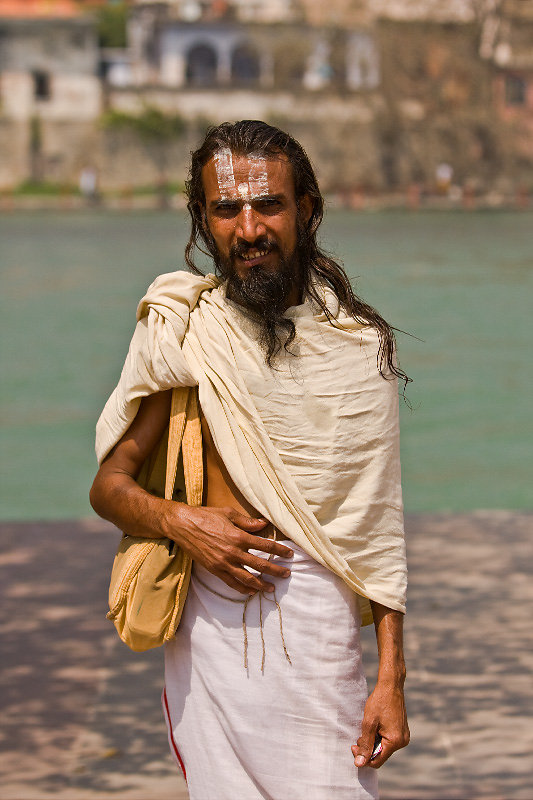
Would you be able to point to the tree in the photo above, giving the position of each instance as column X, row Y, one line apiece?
column 111, row 25
column 154, row 130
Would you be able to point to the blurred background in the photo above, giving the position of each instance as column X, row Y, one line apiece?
column 413, row 97
column 418, row 117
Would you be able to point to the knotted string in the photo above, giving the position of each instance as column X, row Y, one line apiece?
column 245, row 602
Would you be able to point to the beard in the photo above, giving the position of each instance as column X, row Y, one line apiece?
column 263, row 293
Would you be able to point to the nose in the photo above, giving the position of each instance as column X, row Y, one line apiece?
column 249, row 224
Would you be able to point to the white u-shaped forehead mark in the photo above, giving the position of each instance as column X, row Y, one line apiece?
column 258, row 176
column 257, row 185
column 224, row 170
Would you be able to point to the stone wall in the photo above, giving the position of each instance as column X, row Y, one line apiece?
column 340, row 138
column 362, row 144
column 83, row 93
column 437, row 102
column 14, row 152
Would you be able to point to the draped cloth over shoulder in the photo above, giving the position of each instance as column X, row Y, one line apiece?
column 154, row 362
column 188, row 333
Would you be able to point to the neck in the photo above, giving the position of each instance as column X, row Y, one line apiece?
column 294, row 298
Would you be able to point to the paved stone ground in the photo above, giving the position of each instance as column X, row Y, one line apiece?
column 81, row 715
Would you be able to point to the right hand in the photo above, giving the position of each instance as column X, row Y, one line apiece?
column 219, row 539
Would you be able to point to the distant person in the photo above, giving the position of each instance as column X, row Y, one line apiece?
column 443, row 177
column 297, row 382
column 88, row 184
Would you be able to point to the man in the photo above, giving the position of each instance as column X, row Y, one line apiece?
column 300, row 536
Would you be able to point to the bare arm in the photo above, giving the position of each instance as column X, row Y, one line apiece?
column 385, row 711
column 218, row 538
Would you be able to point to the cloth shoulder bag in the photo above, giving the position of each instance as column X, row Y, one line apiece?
column 150, row 577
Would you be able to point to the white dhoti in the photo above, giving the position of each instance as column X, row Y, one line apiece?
column 278, row 732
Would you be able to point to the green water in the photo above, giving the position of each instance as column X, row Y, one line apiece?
column 462, row 283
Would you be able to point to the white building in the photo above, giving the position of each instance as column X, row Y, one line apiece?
column 49, row 68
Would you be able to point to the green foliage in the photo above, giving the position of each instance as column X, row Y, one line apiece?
column 44, row 188
column 112, row 25
column 173, row 187
column 36, row 134
column 202, row 124
column 151, row 125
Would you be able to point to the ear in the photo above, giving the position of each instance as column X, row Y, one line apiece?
column 305, row 205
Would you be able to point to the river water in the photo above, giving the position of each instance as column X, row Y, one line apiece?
column 461, row 283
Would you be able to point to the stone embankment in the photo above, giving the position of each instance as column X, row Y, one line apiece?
column 413, row 199
column 81, row 716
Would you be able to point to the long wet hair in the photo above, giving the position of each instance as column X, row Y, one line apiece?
column 255, row 137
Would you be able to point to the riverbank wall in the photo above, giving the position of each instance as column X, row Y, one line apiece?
column 435, row 101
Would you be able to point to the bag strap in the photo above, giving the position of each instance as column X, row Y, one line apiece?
column 193, row 465
column 178, row 409
column 185, row 433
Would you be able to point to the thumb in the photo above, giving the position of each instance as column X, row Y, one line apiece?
column 365, row 744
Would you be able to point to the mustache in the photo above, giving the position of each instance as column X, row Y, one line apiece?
column 240, row 249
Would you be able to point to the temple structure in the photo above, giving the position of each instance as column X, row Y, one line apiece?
column 382, row 92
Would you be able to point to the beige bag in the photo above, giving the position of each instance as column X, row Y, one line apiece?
column 150, row 577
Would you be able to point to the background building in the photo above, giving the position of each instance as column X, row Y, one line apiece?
column 381, row 93
column 50, row 92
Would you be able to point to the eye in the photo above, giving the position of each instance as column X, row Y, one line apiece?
column 226, row 208
column 269, row 204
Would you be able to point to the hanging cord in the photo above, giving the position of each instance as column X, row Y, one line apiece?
column 245, row 602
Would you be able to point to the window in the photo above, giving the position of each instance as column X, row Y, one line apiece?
column 515, row 90
column 41, row 85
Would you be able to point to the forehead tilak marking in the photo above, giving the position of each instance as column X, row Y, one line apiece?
column 257, row 185
column 258, row 177
column 224, row 170
column 244, row 192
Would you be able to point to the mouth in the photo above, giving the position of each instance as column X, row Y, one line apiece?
column 253, row 257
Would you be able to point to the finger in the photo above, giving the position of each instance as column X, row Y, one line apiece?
column 233, row 583
column 252, row 581
column 380, row 759
column 389, row 746
column 264, row 566
column 268, row 546
column 246, row 523
column 365, row 744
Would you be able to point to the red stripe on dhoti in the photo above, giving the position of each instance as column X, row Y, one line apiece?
column 171, row 733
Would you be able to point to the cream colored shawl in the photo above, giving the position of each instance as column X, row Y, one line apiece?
column 312, row 444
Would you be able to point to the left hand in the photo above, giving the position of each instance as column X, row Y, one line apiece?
column 384, row 714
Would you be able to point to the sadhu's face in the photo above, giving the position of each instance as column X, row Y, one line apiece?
column 251, row 211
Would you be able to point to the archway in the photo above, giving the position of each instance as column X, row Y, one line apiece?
column 201, row 65
column 245, row 67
